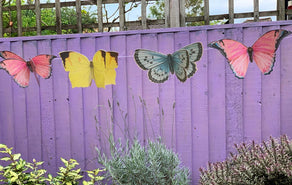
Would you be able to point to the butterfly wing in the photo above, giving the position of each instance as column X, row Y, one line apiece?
column 10, row 55
column 156, row 63
column 99, row 68
column 195, row 51
column 111, row 63
column 18, row 70
column 80, row 72
column 264, row 49
column 236, row 54
column 42, row 65
column 181, row 62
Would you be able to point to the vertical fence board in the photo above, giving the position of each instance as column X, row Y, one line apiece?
column 76, row 111
column 105, row 97
column 122, row 18
column 38, row 16
column 167, row 13
column 183, row 101
column 174, row 13
column 271, row 104
column 79, row 17
column 58, row 17
column 182, row 14
column 47, row 113
column 256, row 10
column 281, row 10
column 199, row 87
column 234, row 96
column 6, row 113
column 231, row 11
column 19, row 106
column 99, row 16
column 61, row 104
column 151, row 109
column 286, row 84
column 166, row 125
column 121, row 127
column 90, row 103
column 143, row 14
column 32, row 106
column 19, row 20
column 216, row 100
column 252, row 91
column 206, row 12
column 135, row 88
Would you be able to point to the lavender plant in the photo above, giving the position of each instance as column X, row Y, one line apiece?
column 150, row 164
column 268, row 163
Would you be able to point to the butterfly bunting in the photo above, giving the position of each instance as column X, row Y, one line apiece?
column 263, row 52
column 181, row 63
column 82, row 71
column 20, row 69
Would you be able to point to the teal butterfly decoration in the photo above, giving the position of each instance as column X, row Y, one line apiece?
column 181, row 62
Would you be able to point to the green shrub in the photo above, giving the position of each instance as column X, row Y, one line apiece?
column 19, row 172
column 135, row 164
column 268, row 163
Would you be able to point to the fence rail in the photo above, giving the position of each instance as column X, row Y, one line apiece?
column 174, row 15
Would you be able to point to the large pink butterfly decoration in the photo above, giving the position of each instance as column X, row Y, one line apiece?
column 263, row 52
column 20, row 69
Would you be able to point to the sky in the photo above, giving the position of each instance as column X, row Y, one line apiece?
column 216, row 7
column 221, row 7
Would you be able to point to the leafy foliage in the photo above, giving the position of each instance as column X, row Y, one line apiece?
column 269, row 163
column 48, row 18
column 135, row 164
column 18, row 171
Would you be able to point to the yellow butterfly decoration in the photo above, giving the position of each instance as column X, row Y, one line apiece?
column 82, row 71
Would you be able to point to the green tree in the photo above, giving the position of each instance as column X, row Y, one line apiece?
column 48, row 18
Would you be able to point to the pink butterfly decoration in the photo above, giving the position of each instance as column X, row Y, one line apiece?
column 263, row 52
column 20, row 69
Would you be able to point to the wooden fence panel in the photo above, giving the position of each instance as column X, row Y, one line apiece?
column 200, row 113
column 200, row 119
column 252, row 91
column 47, row 114
column 19, row 106
column 286, row 85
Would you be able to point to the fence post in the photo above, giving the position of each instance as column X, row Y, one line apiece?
column 58, row 17
column 256, row 13
column 174, row 13
column 206, row 12
column 182, row 14
column 231, row 11
column 143, row 14
column 19, row 21
column 78, row 12
column 1, row 19
column 38, row 16
column 122, row 14
column 281, row 10
column 99, row 15
column 167, row 13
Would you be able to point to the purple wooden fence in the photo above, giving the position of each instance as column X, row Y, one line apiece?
column 200, row 119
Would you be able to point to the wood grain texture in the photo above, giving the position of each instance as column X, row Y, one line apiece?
column 200, row 119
